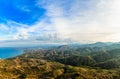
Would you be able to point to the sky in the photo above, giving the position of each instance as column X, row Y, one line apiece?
column 59, row 21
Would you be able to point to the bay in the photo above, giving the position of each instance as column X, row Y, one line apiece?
column 7, row 52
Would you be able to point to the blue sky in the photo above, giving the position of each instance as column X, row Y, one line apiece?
column 20, row 11
column 59, row 21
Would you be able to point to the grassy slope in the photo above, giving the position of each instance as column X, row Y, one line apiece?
column 63, row 63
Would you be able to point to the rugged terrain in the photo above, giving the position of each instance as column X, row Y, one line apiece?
column 90, row 61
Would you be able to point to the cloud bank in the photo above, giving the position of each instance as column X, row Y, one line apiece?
column 69, row 20
column 85, row 20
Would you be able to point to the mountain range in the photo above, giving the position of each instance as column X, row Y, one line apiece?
column 87, row 61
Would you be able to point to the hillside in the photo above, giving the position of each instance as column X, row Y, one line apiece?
column 64, row 62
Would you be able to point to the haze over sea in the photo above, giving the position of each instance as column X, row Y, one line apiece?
column 12, row 51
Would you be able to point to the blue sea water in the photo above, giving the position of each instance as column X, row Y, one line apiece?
column 7, row 52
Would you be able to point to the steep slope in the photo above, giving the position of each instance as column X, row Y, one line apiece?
column 63, row 63
column 32, row 68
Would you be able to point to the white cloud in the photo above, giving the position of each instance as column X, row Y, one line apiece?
column 80, row 20
column 85, row 19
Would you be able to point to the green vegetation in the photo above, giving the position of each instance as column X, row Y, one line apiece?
column 81, row 62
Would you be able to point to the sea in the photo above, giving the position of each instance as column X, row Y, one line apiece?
column 8, row 52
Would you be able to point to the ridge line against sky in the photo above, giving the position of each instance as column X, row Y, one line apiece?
column 60, row 20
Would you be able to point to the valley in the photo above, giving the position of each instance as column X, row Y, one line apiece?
column 90, row 61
